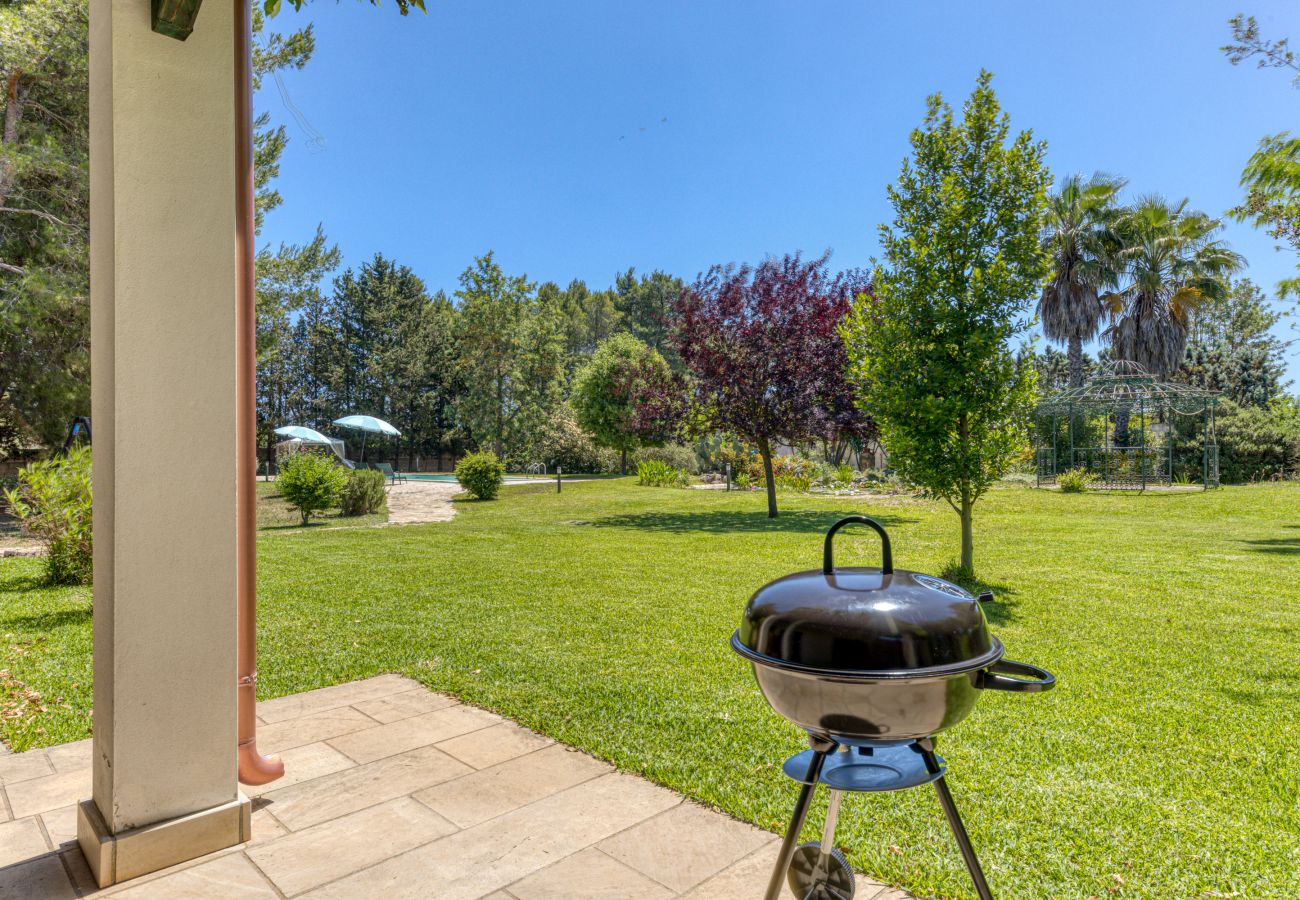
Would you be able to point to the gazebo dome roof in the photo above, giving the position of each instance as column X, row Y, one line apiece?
column 1121, row 384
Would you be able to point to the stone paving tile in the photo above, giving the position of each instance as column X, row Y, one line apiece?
column 303, row 764
column 231, row 876
column 296, row 705
column 38, row 795
column 266, row 827
column 61, row 825
column 490, row 746
column 491, row 792
column 72, row 757
column 591, row 875
column 24, row 766
column 42, row 877
column 317, row 855
column 319, row 726
column 417, row 731
column 540, row 821
column 685, row 845
column 21, row 839
column 489, row 856
column 404, row 705
column 331, row 796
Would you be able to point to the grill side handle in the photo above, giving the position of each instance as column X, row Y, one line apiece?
column 886, row 554
column 1028, row 679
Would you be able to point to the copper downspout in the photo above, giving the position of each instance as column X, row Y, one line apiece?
column 253, row 767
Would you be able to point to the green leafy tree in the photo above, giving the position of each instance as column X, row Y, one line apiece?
column 647, row 306
column 606, row 392
column 1271, row 178
column 962, row 263
column 44, row 209
column 511, row 359
column 1080, row 237
column 1241, row 316
column 44, row 202
column 287, row 280
column 1231, row 348
column 587, row 317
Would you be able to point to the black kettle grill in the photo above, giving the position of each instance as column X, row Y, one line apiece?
column 872, row 663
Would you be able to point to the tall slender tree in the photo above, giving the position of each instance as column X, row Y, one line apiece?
column 962, row 262
column 1080, row 237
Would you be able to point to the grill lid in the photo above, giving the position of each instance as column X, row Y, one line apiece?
column 879, row 621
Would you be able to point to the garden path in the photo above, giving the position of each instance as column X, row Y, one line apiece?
column 413, row 502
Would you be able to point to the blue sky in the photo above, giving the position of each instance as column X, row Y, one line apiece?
column 579, row 137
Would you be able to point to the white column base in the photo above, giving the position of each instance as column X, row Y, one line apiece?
column 114, row 858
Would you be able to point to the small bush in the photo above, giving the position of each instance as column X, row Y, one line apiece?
column 481, row 474
column 363, row 495
column 1075, row 481
column 311, row 482
column 674, row 455
column 655, row 473
column 52, row 502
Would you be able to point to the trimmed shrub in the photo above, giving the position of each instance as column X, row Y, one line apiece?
column 1075, row 481
column 481, row 474
column 52, row 503
column 655, row 473
column 311, row 482
column 674, row 455
column 363, row 495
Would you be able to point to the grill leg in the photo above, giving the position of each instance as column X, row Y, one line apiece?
column 822, row 748
column 954, row 822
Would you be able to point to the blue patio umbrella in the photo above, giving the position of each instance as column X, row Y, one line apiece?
column 302, row 433
column 366, row 425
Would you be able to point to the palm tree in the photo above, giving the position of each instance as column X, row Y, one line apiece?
column 1169, row 263
column 1080, row 237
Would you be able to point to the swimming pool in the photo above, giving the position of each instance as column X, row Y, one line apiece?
column 433, row 476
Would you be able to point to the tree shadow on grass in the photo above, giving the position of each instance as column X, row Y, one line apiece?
column 49, row 621
column 1000, row 610
column 725, row 522
column 1289, row 546
column 292, row 525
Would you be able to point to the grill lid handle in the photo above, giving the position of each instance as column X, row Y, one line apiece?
column 887, row 555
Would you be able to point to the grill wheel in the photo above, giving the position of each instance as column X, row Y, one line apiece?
column 808, row 883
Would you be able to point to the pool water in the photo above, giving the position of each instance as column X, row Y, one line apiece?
column 431, row 476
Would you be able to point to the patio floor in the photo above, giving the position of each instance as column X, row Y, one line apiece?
column 394, row 791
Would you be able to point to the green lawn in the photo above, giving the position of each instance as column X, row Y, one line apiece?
column 1167, row 757
column 274, row 513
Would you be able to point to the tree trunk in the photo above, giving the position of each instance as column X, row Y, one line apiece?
column 967, row 537
column 1075, row 354
column 623, row 464
column 1121, row 427
column 765, row 451
column 16, row 89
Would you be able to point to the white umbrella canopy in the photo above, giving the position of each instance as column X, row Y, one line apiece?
column 366, row 425
column 302, row 433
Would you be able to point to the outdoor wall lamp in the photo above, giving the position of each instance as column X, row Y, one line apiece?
column 175, row 18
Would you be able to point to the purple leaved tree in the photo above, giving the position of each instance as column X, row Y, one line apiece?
column 764, row 352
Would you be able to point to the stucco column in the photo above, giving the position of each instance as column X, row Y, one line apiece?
column 163, row 397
